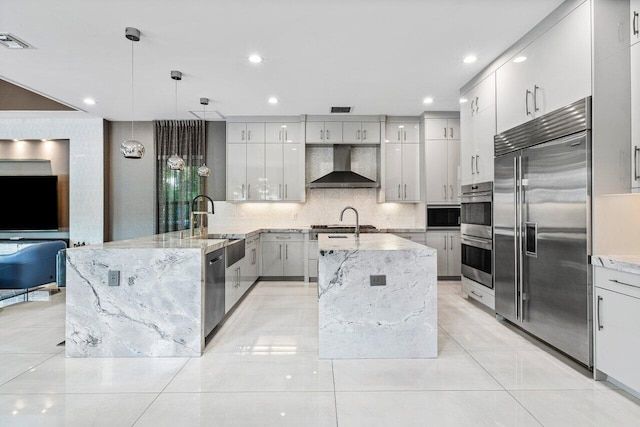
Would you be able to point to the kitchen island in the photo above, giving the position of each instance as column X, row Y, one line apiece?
column 377, row 297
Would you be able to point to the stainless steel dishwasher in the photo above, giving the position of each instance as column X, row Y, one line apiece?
column 214, row 290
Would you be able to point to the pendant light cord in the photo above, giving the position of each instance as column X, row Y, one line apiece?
column 132, row 95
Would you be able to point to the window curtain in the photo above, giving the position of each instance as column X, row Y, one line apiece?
column 176, row 189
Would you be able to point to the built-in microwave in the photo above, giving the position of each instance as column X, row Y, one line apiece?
column 441, row 217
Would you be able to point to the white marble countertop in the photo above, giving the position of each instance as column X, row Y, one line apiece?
column 369, row 242
column 160, row 241
column 626, row 263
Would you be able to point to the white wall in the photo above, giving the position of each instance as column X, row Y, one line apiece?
column 86, row 167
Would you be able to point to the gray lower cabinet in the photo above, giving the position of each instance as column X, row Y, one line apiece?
column 448, row 245
column 283, row 255
column 313, row 259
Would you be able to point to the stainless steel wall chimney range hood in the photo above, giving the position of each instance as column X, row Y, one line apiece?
column 342, row 176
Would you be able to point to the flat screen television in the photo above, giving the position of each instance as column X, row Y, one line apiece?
column 29, row 203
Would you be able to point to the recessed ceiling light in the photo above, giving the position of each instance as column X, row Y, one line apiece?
column 16, row 140
column 520, row 59
column 470, row 59
column 273, row 100
column 44, row 140
column 427, row 100
column 256, row 59
column 89, row 101
column 463, row 100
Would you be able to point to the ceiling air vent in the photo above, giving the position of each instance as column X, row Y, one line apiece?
column 343, row 110
column 12, row 42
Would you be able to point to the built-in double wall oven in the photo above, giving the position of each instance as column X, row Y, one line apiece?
column 476, row 228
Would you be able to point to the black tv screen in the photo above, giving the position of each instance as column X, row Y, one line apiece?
column 29, row 203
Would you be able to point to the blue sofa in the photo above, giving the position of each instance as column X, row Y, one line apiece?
column 31, row 266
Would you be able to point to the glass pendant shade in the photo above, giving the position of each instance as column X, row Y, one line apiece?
column 176, row 163
column 204, row 171
column 132, row 149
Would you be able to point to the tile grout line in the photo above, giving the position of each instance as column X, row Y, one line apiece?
column 28, row 369
column 161, row 391
column 335, row 397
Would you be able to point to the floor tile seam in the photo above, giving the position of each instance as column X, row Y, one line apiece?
column 335, row 398
column 419, row 390
column 505, row 389
column 242, row 392
column 144, row 411
column 78, row 393
column 30, row 368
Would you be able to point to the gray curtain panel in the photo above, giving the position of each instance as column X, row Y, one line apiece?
column 176, row 189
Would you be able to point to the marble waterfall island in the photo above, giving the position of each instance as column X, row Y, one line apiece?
column 377, row 297
column 156, row 310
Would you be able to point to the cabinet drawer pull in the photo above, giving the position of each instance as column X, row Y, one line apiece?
column 478, row 295
column 600, row 327
column 622, row 283
column 283, row 237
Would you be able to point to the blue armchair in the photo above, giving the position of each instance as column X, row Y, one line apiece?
column 32, row 266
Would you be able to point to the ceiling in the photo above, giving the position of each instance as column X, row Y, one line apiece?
column 379, row 56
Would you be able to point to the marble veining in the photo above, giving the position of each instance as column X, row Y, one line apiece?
column 626, row 263
column 155, row 311
column 357, row 320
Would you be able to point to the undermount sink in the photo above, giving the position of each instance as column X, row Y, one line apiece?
column 337, row 236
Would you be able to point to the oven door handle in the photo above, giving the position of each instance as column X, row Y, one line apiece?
column 476, row 198
column 477, row 243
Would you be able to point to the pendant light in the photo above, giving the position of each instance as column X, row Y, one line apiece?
column 203, row 170
column 132, row 148
column 176, row 162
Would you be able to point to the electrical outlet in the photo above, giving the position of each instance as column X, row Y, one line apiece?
column 114, row 277
column 378, row 280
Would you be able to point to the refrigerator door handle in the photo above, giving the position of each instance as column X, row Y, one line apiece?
column 516, row 262
column 520, row 260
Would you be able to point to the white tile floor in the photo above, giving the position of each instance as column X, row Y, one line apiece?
column 262, row 369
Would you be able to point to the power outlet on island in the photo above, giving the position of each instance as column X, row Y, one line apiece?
column 114, row 277
column 378, row 280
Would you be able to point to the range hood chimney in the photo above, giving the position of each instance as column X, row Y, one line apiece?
column 342, row 176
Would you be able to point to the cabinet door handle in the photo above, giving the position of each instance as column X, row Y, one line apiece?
column 286, row 251
column 444, row 191
column 328, row 134
column 636, row 149
column 477, row 169
column 280, row 136
column 445, row 133
column 286, row 135
column 445, row 242
column 405, row 191
column 322, row 135
column 451, row 133
column 472, row 109
column 243, row 191
column 364, row 132
column 477, row 108
column 357, row 135
column 280, row 191
column 451, row 192
column 248, row 191
column 526, row 101
column 399, row 195
column 405, row 136
column 248, row 135
column 600, row 327
column 451, row 245
column 535, row 98
column 472, row 170
column 243, row 135
column 635, row 23
column 399, row 138
column 286, row 193
column 280, row 252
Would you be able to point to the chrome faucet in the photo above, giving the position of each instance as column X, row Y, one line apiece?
column 357, row 219
column 202, row 214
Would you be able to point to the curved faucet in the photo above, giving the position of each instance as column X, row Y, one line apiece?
column 203, row 229
column 357, row 219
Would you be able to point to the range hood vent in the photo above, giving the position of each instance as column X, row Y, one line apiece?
column 342, row 175
column 343, row 110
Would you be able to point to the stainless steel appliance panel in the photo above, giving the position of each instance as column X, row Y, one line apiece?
column 214, row 290
column 477, row 260
column 556, row 282
column 443, row 217
column 506, row 249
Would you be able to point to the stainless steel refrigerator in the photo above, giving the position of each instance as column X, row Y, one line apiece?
column 542, row 208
